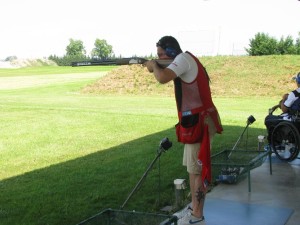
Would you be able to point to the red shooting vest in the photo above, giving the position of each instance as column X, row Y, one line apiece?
column 194, row 105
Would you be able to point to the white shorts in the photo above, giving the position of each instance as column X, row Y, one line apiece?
column 190, row 157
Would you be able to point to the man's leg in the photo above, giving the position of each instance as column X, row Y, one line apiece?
column 270, row 122
column 198, row 195
column 192, row 189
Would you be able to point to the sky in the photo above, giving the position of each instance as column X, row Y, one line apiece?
column 40, row 28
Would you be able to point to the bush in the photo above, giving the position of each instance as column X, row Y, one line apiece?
column 286, row 46
column 263, row 44
column 67, row 60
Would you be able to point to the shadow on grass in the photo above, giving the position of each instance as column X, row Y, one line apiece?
column 69, row 192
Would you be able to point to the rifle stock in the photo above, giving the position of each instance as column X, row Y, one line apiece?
column 118, row 62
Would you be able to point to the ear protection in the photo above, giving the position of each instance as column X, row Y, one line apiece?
column 171, row 52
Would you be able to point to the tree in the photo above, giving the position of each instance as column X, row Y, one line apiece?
column 11, row 58
column 297, row 45
column 262, row 44
column 286, row 46
column 75, row 48
column 102, row 49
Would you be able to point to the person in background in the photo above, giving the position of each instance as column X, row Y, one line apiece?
column 289, row 101
column 289, row 105
column 198, row 119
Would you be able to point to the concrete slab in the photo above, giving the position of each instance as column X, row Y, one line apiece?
column 280, row 190
column 228, row 212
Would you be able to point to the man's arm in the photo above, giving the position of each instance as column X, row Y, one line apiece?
column 162, row 75
column 282, row 106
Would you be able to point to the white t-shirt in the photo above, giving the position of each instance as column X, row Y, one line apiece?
column 291, row 98
column 185, row 67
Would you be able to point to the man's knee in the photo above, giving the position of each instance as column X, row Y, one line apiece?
column 272, row 120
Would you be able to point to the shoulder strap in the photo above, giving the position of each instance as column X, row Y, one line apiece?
column 296, row 104
column 296, row 93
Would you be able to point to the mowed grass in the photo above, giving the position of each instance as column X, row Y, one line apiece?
column 66, row 154
column 42, row 70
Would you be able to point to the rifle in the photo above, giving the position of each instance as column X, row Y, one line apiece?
column 163, row 63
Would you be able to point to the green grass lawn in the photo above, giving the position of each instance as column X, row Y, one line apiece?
column 65, row 156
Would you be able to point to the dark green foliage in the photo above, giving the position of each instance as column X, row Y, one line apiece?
column 297, row 45
column 11, row 58
column 75, row 48
column 286, row 46
column 263, row 44
column 102, row 49
column 67, row 59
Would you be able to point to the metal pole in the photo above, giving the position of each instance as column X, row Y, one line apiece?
column 143, row 177
column 238, row 140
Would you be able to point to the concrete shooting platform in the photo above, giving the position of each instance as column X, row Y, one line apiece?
column 273, row 200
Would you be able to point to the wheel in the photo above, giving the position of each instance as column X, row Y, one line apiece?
column 285, row 141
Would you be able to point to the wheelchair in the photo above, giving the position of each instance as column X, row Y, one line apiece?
column 283, row 134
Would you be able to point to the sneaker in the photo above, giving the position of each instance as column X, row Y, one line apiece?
column 189, row 219
column 183, row 212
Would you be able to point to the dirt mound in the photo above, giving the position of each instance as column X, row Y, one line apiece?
column 18, row 63
column 230, row 77
column 5, row 64
column 133, row 79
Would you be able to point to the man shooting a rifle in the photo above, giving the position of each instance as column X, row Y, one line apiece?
column 198, row 119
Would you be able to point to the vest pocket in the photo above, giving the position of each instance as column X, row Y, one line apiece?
column 189, row 129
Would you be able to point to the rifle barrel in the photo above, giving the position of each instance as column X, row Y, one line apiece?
column 123, row 61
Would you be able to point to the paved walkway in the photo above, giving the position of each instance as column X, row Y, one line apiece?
column 281, row 190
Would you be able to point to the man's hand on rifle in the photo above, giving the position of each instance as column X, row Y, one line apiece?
column 150, row 64
column 162, row 74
